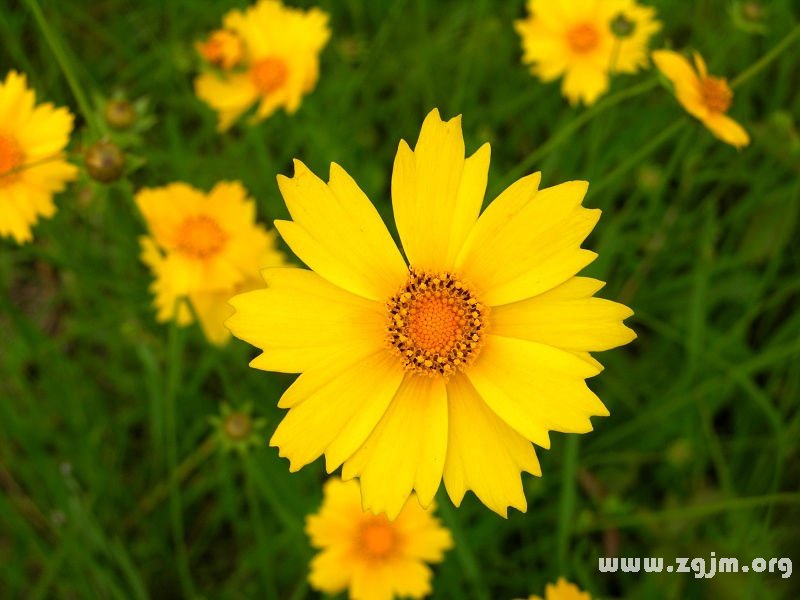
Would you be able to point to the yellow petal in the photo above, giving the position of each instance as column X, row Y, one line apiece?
column 338, row 414
column 424, row 537
column 684, row 79
column 528, row 243
column 406, row 451
column 535, row 388
column 301, row 319
column 484, row 454
column 212, row 310
column 584, row 82
column 338, row 233
column 566, row 317
column 230, row 95
column 726, row 129
column 436, row 193
column 326, row 572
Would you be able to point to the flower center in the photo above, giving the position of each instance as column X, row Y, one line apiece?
column 200, row 237
column 269, row 74
column 11, row 157
column 583, row 38
column 377, row 537
column 436, row 323
column 224, row 48
column 717, row 94
column 237, row 426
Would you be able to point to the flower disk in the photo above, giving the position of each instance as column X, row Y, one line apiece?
column 435, row 324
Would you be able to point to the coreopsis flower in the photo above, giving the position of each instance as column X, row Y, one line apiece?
column 32, row 163
column 585, row 41
column 205, row 248
column 448, row 366
column 377, row 559
column 269, row 55
column 704, row 96
column 562, row 590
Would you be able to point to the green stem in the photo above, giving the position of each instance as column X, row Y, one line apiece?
column 258, row 525
column 174, row 358
column 66, row 66
column 568, row 130
column 567, row 501
column 765, row 60
column 462, row 548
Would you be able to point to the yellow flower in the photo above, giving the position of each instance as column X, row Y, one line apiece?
column 223, row 48
column 206, row 247
column 32, row 165
column 448, row 368
column 703, row 96
column 585, row 41
column 376, row 558
column 281, row 46
column 562, row 590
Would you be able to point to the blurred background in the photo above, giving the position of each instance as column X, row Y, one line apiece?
column 699, row 455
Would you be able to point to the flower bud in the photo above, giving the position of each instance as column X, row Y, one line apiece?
column 622, row 27
column 104, row 161
column 120, row 114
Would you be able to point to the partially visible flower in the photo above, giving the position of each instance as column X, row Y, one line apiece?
column 562, row 590
column 224, row 48
column 204, row 247
column 585, row 41
column 32, row 164
column 704, row 96
column 236, row 429
column 279, row 60
column 377, row 559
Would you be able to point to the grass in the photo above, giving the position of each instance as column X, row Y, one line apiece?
column 112, row 484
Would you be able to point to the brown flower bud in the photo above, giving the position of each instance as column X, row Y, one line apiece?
column 120, row 114
column 104, row 161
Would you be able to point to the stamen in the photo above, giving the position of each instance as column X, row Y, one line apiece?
column 436, row 324
column 377, row 537
column 717, row 94
column 200, row 237
column 269, row 74
column 583, row 38
column 11, row 157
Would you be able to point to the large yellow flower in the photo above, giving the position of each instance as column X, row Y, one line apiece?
column 447, row 368
column 585, row 41
column 703, row 96
column 375, row 558
column 205, row 247
column 277, row 50
column 562, row 590
column 32, row 165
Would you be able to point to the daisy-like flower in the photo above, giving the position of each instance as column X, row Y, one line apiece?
column 562, row 590
column 585, row 41
column 451, row 365
column 377, row 559
column 704, row 96
column 204, row 247
column 32, row 164
column 270, row 56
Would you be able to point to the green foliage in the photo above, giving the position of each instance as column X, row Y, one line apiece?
column 105, row 455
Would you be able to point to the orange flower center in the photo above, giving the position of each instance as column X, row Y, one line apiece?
column 11, row 157
column 377, row 537
column 200, row 237
column 717, row 94
column 436, row 323
column 224, row 48
column 269, row 74
column 583, row 38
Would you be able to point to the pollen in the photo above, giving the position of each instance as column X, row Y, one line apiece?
column 269, row 74
column 583, row 38
column 200, row 237
column 717, row 94
column 377, row 538
column 436, row 324
column 11, row 157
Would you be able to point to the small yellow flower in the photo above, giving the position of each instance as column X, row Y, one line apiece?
column 704, row 96
column 377, row 559
column 446, row 368
column 562, row 590
column 32, row 165
column 584, row 41
column 280, row 48
column 206, row 247
column 224, row 48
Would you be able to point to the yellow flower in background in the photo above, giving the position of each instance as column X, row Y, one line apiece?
column 32, row 164
column 278, row 49
column 705, row 97
column 585, row 41
column 375, row 558
column 562, row 590
column 447, row 368
column 206, row 247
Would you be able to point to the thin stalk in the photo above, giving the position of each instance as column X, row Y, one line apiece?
column 258, row 525
column 765, row 60
column 568, row 500
column 462, row 548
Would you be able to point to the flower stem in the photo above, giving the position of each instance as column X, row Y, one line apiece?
column 566, row 512
column 765, row 60
column 66, row 66
column 258, row 526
